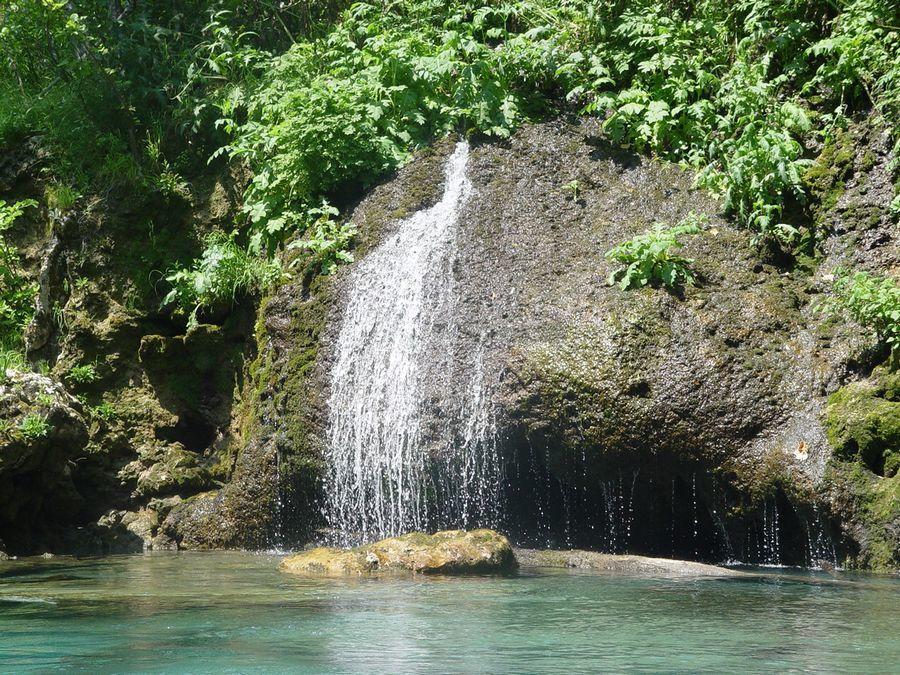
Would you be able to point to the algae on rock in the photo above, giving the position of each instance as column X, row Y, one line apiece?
column 447, row 552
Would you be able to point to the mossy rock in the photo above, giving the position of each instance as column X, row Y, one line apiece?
column 43, row 433
column 447, row 552
column 825, row 178
column 863, row 422
column 868, row 508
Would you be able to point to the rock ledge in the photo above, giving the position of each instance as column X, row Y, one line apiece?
column 623, row 564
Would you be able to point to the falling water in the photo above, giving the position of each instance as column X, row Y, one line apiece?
column 820, row 547
column 618, row 502
column 390, row 471
column 770, row 550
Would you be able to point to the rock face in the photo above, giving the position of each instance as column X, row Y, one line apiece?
column 730, row 420
column 685, row 424
column 42, row 430
column 156, row 411
column 448, row 552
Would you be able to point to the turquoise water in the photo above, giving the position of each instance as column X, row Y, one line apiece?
column 234, row 612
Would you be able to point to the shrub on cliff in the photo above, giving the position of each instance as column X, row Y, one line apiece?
column 224, row 272
column 16, row 292
column 648, row 258
column 872, row 301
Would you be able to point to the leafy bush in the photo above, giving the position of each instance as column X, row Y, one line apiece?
column 715, row 86
column 104, row 411
column 34, row 426
column 224, row 272
column 648, row 257
column 870, row 300
column 320, row 98
column 328, row 240
column 345, row 108
column 83, row 374
column 16, row 292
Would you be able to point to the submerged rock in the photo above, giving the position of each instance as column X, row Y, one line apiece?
column 448, row 552
column 625, row 564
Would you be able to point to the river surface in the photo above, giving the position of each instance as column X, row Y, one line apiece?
column 234, row 612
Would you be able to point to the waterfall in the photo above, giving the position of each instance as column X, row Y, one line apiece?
column 404, row 455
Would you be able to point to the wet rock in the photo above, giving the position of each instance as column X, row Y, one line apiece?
column 118, row 532
column 202, row 522
column 42, row 432
column 618, row 412
column 166, row 470
column 622, row 564
column 448, row 552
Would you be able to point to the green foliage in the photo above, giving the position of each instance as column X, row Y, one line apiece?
column 870, row 300
column 327, row 240
column 162, row 176
column 573, row 187
column 60, row 197
column 34, row 426
column 861, row 56
column 320, row 98
column 702, row 88
column 16, row 292
column 759, row 169
column 225, row 271
column 104, row 411
column 9, row 213
column 11, row 359
column 93, row 77
column 719, row 87
column 347, row 107
column 648, row 257
column 83, row 374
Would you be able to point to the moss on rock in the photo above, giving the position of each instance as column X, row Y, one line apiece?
column 825, row 178
column 447, row 552
column 863, row 422
column 868, row 508
column 863, row 426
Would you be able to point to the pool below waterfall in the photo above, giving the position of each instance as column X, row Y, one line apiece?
column 234, row 612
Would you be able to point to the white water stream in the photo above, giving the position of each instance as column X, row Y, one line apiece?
column 399, row 329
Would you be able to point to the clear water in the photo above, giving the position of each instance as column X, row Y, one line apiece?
column 234, row 612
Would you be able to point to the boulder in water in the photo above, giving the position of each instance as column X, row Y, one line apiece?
column 621, row 564
column 448, row 552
